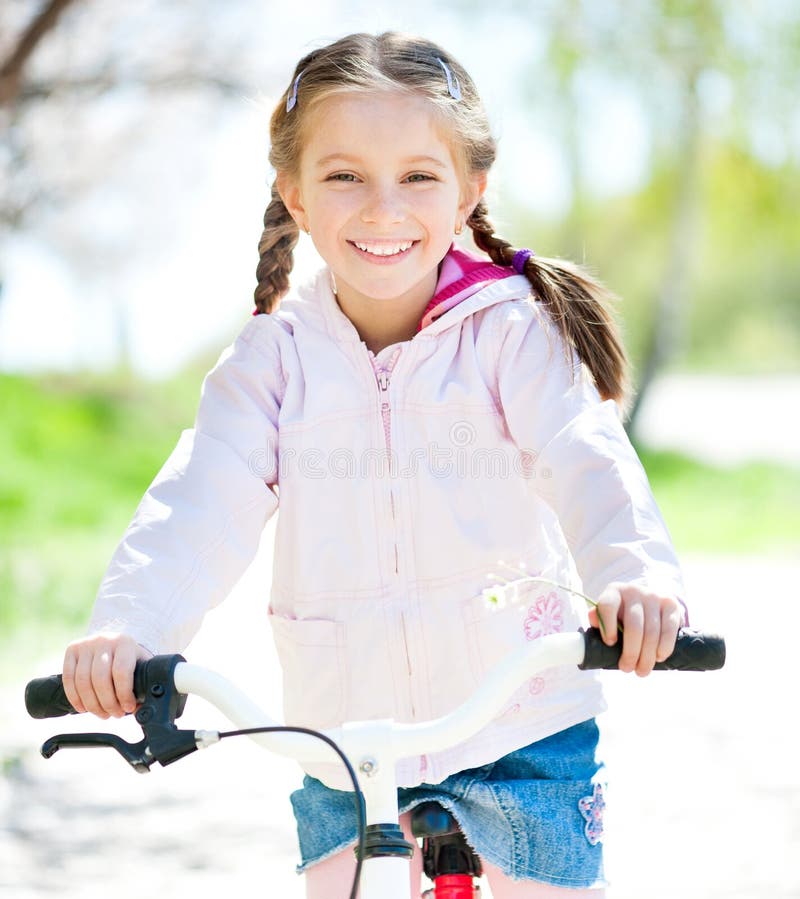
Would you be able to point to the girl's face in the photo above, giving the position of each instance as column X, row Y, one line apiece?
column 381, row 193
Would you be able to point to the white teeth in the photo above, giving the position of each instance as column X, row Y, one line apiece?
column 385, row 249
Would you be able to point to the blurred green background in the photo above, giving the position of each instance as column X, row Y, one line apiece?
column 656, row 141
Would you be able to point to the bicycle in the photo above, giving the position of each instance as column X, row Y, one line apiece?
column 162, row 685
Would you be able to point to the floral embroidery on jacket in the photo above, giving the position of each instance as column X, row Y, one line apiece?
column 544, row 617
column 536, row 685
column 592, row 808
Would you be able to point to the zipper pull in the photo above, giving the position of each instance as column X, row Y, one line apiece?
column 383, row 380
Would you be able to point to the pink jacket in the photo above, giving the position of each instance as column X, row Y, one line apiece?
column 399, row 492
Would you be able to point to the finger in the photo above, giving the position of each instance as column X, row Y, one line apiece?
column 607, row 613
column 633, row 624
column 650, row 637
column 103, row 683
column 122, row 676
column 671, row 620
column 84, row 686
column 68, row 679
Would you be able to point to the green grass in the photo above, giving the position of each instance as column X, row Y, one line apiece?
column 752, row 508
column 78, row 454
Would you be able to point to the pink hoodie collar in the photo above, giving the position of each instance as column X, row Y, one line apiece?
column 462, row 274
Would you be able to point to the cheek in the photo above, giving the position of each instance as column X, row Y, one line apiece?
column 334, row 208
column 441, row 205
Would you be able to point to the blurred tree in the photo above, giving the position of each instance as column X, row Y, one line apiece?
column 71, row 62
column 91, row 91
column 688, row 42
column 702, row 73
column 11, row 70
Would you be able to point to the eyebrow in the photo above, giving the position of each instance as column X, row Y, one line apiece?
column 345, row 157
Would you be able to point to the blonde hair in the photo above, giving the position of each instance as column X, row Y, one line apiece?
column 578, row 304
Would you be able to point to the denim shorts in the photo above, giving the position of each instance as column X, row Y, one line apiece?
column 536, row 813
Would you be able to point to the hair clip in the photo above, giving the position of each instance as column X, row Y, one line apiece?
column 452, row 82
column 291, row 100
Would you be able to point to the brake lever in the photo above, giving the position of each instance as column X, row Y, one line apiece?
column 137, row 755
column 161, row 704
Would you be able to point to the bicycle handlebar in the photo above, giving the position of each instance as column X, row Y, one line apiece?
column 694, row 651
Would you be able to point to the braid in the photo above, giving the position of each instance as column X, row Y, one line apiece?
column 278, row 240
column 500, row 251
column 580, row 306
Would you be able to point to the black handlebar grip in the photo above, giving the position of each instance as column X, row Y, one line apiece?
column 694, row 651
column 45, row 698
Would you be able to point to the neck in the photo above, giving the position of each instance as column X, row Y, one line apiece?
column 382, row 322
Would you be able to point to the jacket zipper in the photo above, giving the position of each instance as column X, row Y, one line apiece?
column 383, row 378
column 386, row 416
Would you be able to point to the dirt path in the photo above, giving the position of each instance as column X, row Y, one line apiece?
column 705, row 798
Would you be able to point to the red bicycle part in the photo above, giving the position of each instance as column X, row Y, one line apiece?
column 454, row 886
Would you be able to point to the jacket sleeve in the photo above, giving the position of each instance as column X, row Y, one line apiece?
column 582, row 463
column 198, row 526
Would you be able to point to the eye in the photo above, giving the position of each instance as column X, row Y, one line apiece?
column 342, row 176
column 419, row 177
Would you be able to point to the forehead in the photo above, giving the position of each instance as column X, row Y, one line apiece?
column 380, row 125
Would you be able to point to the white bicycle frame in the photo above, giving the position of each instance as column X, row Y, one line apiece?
column 374, row 747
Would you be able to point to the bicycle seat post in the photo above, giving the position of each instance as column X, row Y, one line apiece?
column 447, row 858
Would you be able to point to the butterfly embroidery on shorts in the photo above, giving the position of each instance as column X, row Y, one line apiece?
column 592, row 808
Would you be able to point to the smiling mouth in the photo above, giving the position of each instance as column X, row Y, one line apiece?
column 384, row 250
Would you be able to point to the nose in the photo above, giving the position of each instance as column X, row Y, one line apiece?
column 383, row 206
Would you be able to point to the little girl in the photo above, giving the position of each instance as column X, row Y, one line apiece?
column 418, row 412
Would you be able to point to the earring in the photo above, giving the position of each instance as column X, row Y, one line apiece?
column 459, row 228
column 306, row 229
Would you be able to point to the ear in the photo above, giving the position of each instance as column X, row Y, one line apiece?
column 289, row 190
column 475, row 188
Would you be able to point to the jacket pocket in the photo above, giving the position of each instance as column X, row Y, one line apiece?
column 497, row 629
column 311, row 654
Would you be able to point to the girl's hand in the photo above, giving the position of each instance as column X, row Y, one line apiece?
column 98, row 674
column 649, row 620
